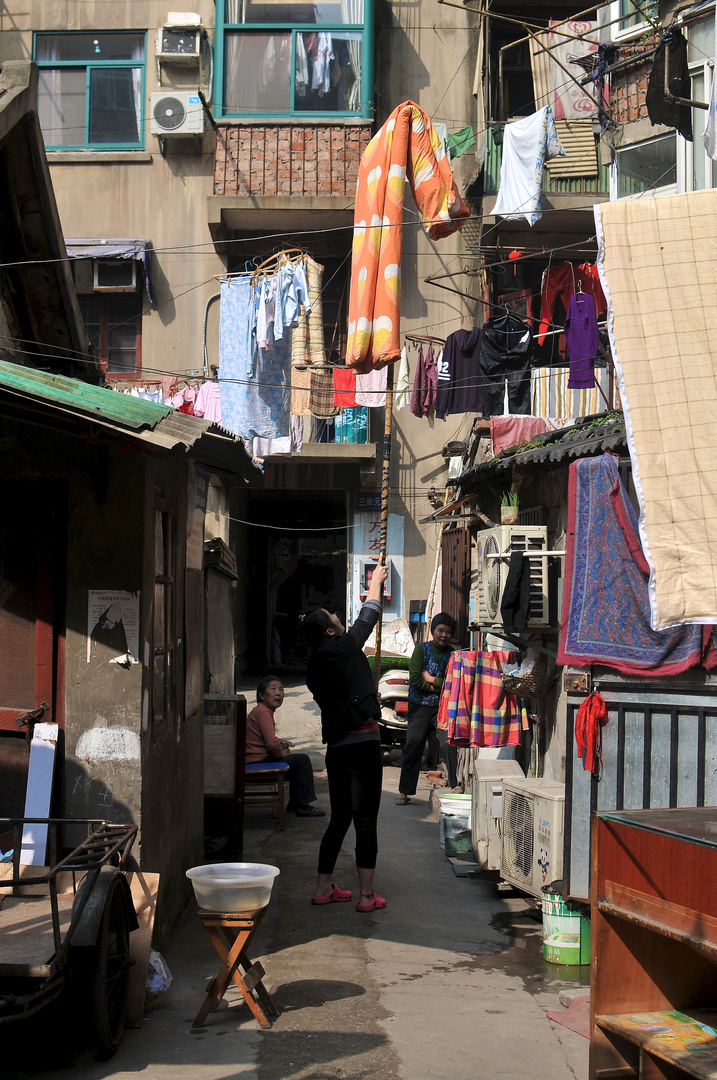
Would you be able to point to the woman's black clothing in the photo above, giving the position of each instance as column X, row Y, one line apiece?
column 340, row 680
column 355, row 774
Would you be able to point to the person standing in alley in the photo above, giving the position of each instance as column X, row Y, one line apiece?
column 262, row 745
column 426, row 669
column 340, row 680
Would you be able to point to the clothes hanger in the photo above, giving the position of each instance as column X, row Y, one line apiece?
column 580, row 287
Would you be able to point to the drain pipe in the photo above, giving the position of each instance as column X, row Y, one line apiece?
column 205, row 358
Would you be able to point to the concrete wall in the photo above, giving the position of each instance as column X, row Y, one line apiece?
column 424, row 52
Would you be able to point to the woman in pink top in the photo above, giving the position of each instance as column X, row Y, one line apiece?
column 263, row 745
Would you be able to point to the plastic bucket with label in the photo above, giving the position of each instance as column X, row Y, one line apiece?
column 455, row 824
column 566, row 932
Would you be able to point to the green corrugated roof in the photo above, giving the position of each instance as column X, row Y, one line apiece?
column 81, row 397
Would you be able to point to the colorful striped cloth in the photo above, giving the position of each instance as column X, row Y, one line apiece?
column 475, row 708
column 550, row 395
column 497, row 716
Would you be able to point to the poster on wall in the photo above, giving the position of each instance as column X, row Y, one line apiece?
column 113, row 622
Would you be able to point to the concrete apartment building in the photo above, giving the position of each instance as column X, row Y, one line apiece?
column 270, row 168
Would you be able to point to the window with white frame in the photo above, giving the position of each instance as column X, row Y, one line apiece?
column 696, row 169
column 91, row 90
column 629, row 18
column 645, row 168
column 294, row 59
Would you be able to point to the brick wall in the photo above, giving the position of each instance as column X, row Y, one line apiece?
column 289, row 159
column 628, row 86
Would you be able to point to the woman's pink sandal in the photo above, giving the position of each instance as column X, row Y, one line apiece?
column 376, row 903
column 336, row 896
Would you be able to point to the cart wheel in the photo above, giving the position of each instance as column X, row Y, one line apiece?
column 110, row 969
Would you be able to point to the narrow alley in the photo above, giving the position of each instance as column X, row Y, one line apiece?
column 448, row 982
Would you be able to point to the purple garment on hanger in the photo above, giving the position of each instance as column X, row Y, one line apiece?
column 582, row 340
column 423, row 396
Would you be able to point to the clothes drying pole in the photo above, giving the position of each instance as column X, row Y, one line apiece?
column 385, row 488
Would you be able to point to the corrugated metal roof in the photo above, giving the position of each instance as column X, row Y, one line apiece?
column 81, row 397
column 592, row 435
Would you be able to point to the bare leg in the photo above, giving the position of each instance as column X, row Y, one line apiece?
column 365, row 884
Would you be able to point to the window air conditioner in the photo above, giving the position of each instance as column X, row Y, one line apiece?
column 114, row 275
column 178, row 113
column 179, row 41
column 493, row 548
column 487, row 808
column 532, row 853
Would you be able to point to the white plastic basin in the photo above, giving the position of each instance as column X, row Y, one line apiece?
column 233, row 886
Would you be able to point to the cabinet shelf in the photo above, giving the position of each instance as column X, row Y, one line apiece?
column 654, row 936
column 685, row 1040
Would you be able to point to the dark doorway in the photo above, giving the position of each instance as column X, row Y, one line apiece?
column 298, row 563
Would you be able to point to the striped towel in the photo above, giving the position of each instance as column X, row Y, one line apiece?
column 460, row 699
column 496, row 715
column 550, row 395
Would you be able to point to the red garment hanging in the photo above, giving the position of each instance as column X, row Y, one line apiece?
column 590, row 719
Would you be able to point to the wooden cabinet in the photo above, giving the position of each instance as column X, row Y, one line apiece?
column 654, row 934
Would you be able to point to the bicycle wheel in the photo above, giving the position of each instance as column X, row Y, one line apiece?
column 110, row 969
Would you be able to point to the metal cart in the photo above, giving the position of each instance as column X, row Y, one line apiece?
column 73, row 917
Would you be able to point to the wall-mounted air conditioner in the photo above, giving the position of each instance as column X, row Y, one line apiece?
column 487, row 808
column 114, row 275
column 179, row 41
column 532, row 853
column 177, row 113
column 493, row 548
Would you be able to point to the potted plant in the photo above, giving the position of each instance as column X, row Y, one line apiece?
column 509, row 508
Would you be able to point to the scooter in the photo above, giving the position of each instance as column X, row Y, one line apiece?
column 393, row 688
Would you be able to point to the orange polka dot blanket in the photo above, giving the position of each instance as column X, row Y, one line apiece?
column 406, row 148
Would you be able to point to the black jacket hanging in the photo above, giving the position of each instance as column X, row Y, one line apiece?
column 672, row 51
column 515, row 604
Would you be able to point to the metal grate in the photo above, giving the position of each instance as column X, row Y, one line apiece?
column 517, row 835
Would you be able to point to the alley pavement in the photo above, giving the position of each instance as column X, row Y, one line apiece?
column 446, row 983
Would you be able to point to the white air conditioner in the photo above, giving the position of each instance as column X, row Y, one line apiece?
column 493, row 548
column 532, row 833
column 178, row 113
column 487, row 808
column 179, row 44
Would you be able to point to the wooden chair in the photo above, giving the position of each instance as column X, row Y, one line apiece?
column 269, row 778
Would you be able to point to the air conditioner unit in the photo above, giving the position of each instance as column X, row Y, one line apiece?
column 178, row 113
column 179, row 44
column 493, row 548
column 114, row 275
column 532, row 854
column 487, row 808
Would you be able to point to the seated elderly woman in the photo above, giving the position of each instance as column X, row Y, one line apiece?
column 263, row 745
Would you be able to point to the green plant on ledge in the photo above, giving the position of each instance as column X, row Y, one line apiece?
column 510, row 498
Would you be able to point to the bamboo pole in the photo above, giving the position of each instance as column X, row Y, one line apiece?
column 385, row 485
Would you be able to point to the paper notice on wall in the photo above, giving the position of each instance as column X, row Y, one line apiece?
column 113, row 622
column 197, row 508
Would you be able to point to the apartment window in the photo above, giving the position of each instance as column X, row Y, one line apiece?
column 295, row 59
column 646, row 168
column 163, row 635
column 696, row 170
column 114, row 327
column 627, row 17
column 91, row 90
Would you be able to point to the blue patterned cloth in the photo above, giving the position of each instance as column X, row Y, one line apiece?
column 352, row 425
column 606, row 607
column 253, row 405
